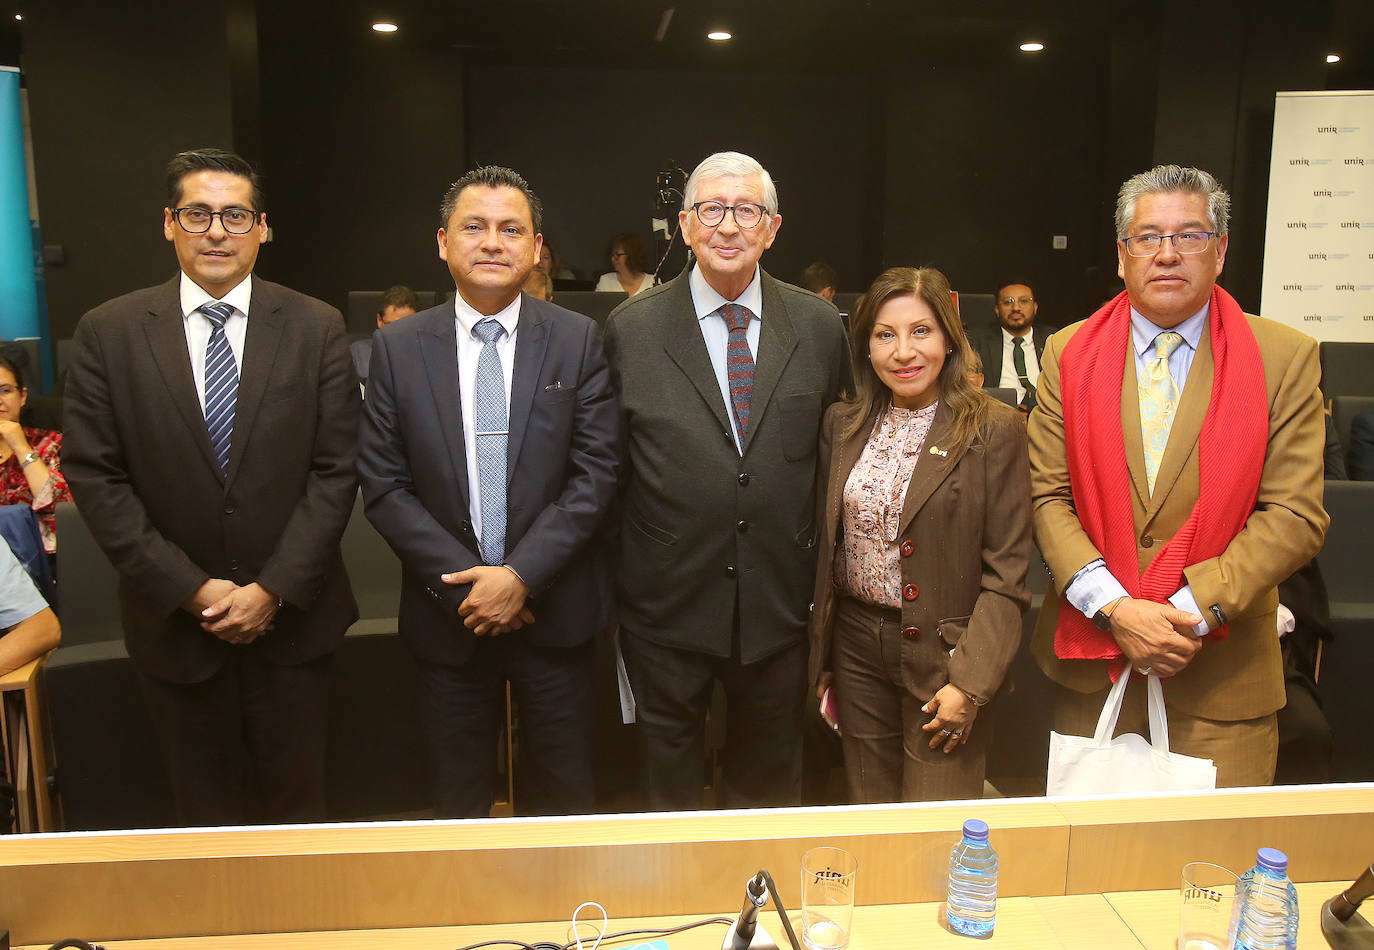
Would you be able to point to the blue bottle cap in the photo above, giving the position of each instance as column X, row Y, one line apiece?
column 1272, row 859
column 978, row 830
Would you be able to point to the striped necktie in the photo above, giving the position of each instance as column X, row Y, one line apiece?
column 489, row 420
column 221, row 383
column 1158, row 402
column 739, row 365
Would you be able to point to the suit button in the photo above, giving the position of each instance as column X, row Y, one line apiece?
column 744, row 478
column 1147, row 541
column 228, row 509
column 742, row 527
column 466, row 526
column 730, row 570
column 910, row 633
column 910, row 592
column 233, row 565
column 907, row 548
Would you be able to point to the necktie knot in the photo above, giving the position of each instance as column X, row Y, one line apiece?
column 217, row 313
column 1018, row 342
column 1166, row 343
column 736, row 317
column 488, row 330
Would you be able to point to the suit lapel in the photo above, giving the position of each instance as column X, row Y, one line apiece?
column 777, row 341
column 937, row 460
column 166, row 331
column 531, row 342
column 684, row 345
column 260, row 347
column 1131, row 437
column 438, row 342
column 846, row 454
column 1188, row 420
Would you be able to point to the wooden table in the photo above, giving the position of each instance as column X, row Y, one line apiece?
column 24, row 744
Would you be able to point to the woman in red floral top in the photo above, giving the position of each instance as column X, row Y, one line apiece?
column 30, row 473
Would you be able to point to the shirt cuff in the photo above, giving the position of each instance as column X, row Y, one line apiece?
column 1184, row 600
column 1093, row 588
column 1286, row 621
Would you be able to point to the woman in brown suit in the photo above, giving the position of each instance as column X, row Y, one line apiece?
column 925, row 539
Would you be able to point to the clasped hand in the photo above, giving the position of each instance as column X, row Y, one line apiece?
column 496, row 603
column 1157, row 636
column 234, row 614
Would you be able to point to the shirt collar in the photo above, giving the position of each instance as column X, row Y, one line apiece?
column 468, row 318
column 193, row 296
column 707, row 301
column 1143, row 332
column 1008, row 337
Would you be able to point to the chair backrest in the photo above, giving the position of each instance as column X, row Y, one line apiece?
column 88, row 604
column 363, row 306
column 1347, row 369
column 373, row 568
column 1344, row 409
column 590, row 303
column 976, row 311
column 1344, row 558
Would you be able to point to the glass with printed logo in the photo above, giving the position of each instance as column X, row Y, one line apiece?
column 1207, row 891
column 827, row 898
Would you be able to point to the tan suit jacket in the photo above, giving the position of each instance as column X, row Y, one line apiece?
column 967, row 516
column 1240, row 677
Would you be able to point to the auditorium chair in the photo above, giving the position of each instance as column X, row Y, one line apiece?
column 1347, row 369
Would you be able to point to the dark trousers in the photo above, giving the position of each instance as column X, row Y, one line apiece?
column 464, row 707
column 763, row 734
column 248, row 744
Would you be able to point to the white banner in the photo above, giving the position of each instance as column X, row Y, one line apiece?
column 1319, row 246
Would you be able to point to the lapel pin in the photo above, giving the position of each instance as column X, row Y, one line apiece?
column 936, row 450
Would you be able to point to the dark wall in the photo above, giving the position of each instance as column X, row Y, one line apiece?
column 591, row 140
column 112, row 98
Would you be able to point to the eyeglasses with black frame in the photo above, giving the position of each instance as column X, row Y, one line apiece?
column 747, row 214
column 1185, row 242
column 198, row 220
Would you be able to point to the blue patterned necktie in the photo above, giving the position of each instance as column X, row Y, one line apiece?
column 739, row 365
column 221, row 383
column 489, row 420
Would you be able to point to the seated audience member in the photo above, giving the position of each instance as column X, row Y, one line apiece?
column 975, row 368
column 397, row 302
column 631, row 263
column 821, row 279
column 28, row 627
column 1361, row 457
column 550, row 264
column 539, row 285
column 927, row 486
column 30, row 466
column 1008, row 362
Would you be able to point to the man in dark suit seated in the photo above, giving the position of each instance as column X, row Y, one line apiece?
column 488, row 458
column 723, row 375
column 211, row 426
column 1361, row 455
column 397, row 302
column 1011, row 352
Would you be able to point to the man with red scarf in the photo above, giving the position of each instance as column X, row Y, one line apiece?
column 1176, row 463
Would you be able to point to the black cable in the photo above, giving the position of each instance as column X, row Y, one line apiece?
column 647, row 932
column 782, row 911
column 78, row 944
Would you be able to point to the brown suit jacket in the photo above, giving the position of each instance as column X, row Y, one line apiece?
column 1240, row 677
column 967, row 515
column 139, row 462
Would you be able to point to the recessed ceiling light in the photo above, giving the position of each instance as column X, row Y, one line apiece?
column 719, row 35
column 1032, row 47
column 1333, row 57
column 383, row 26
column 19, row 16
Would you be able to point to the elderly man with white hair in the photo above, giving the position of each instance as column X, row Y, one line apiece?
column 723, row 375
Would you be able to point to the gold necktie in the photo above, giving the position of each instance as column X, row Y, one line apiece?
column 1158, row 402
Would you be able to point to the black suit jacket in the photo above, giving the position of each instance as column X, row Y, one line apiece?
column 1361, row 456
column 988, row 342
column 560, row 459
column 704, row 529
column 138, row 459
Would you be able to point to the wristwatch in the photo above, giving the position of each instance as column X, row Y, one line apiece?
column 29, row 459
column 1102, row 620
column 977, row 701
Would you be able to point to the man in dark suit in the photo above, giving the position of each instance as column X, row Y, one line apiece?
column 211, row 426
column 488, row 458
column 723, row 375
column 398, row 302
column 1011, row 352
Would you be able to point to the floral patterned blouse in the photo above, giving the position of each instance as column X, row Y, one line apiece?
column 15, row 490
column 868, row 565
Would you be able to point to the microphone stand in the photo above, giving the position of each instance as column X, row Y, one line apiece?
column 1341, row 926
column 747, row 933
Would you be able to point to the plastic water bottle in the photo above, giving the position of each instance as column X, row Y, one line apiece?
column 1265, row 915
column 971, row 904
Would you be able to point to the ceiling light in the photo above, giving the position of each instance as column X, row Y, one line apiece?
column 718, row 35
column 382, row 26
column 1333, row 57
column 20, row 16
column 1032, row 47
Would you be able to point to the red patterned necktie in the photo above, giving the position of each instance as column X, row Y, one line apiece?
column 739, row 365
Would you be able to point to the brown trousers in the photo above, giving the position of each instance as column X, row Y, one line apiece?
column 887, row 756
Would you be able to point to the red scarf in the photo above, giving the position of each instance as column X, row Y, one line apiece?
column 1231, row 450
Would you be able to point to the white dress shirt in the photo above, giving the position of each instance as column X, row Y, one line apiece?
column 1009, row 378
column 469, row 349
column 198, row 326
column 1094, row 586
column 716, row 332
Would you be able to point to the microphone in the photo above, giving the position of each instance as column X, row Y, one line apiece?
column 1341, row 928
column 746, row 934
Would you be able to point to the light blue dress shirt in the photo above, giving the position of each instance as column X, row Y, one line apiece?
column 19, row 598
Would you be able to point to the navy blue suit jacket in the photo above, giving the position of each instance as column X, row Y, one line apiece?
column 561, row 463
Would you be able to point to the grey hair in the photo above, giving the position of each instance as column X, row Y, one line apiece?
column 730, row 163
column 1173, row 178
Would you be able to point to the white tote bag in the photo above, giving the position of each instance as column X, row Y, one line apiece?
column 1101, row 765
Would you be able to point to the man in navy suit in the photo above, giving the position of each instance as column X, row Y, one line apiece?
column 488, row 458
